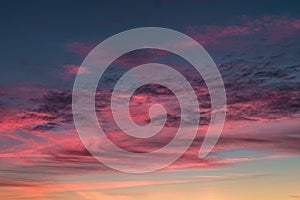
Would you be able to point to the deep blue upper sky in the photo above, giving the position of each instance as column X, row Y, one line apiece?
column 33, row 33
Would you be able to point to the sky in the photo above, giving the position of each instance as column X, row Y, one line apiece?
column 256, row 47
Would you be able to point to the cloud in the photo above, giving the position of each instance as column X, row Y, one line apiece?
column 80, row 48
column 267, row 27
column 71, row 71
column 295, row 196
column 46, row 132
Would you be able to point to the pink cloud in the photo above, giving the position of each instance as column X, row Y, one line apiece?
column 270, row 27
column 71, row 70
column 62, row 145
column 80, row 48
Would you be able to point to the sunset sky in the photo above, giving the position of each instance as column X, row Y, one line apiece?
column 256, row 47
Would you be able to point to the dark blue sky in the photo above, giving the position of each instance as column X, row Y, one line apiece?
column 33, row 33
